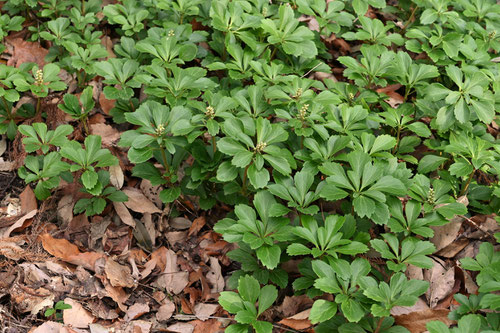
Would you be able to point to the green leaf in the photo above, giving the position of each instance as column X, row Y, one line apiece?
column 269, row 256
column 89, row 179
column 249, row 288
column 322, row 310
column 268, row 295
column 430, row 163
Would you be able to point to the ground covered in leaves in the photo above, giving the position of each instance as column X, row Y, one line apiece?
column 326, row 81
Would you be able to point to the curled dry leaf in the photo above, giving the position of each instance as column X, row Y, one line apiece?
column 77, row 316
column 64, row 250
column 214, row 276
column 118, row 275
column 117, row 294
column 138, row 202
column 198, row 223
column 300, row 321
column 5, row 233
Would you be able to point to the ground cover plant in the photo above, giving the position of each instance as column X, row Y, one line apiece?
column 250, row 165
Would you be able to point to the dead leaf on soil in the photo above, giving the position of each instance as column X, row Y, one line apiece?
column 172, row 280
column 181, row 328
column 136, row 310
column 198, row 223
column 66, row 251
column 442, row 279
column 214, row 276
column 116, row 177
column 203, row 310
column 208, row 326
column 415, row 322
column 124, row 214
column 48, row 327
column 118, row 275
column 165, row 311
column 117, row 294
column 5, row 232
column 106, row 104
column 108, row 133
column 138, row 202
column 444, row 235
column 180, row 223
column 28, row 200
column 77, row 316
column 65, row 209
column 300, row 321
column 25, row 51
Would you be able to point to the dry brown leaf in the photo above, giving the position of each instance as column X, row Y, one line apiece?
column 28, row 200
column 3, row 145
column 77, row 316
column 180, row 223
column 124, row 214
column 444, row 235
column 65, row 209
column 106, row 104
column 117, row 294
column 442, row 279
column 172, row 280
column 415, row 322
column 10, row 249
column 203, row 310
column 181, row 328
column 108, row 44
column 394, row 99
column 300, row 321
column 48, row 327
column 116, row 177
column 118, row 275
column 108, row 133
column 214, row 276
column 136, row 310
column 25, row 51
column 208, row 326
column 175, row 237
column 421, row 305
column 7, row 165
column 5, row 233
column 293, row 304
column 198, row 223
column 165, row 311
column 64, row 250
column 138, row 202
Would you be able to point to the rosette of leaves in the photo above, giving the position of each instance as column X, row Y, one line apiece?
column 372, row 67
column 180, row 8
column 440, row 45
column 38, row 137
column 41, row 80
column 251, row 143
column 326, row 239
column 490, row 321
column 242, row 304
column 317, row 151
column 79, row 108
column 341, row 279
column 375, row 32
column 121, row 77
column 400, row 254
column 286, row 33
column 88, row 160
column 471, row 101
column 238, row 67
column 366, row 183
column 97, row 202
column 330, row 16
column 83, row 59
column 128, row 15
column 262, row 235
column 158, row 136
column 8, row 23
column 9, row 95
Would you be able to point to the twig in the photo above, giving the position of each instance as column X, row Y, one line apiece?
column 477, row 226
column 310, row 70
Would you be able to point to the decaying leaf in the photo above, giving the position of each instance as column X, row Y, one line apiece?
column 77, row 316
column 415, row 322
column 203, row 311
column 165, row 311
column 118, row 275
column 171, row 279
column 138, row 202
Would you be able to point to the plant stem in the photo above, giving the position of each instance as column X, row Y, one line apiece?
column 7, row 109
column 213, row 145
column 85, row 126
column 398, row 135
column 38, row 105
column 412, row 15
column 274, row 53
column 466, row 187
column 165, row 163
column 379, row 324
column 131, row 105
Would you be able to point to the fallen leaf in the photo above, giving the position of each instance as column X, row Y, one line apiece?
column 300, row 321
column 136, row 310
column 108, row 133
column 180, row 223
column 106, row 104
column 18, row 224
column 198, row 223
column 64, row 250
column 118, row 275
column 24, row 51
column 208, row 326
column 203, row 311
column 165, row 311
column 28, row 200
column 394, row 99
column 171, row 279
column 117, row 294
column 124, row 214
column 420, row 306
column 444, row 235
column 3, row 145
column 116, row 177
column 181, row 328
column 138, row 202
column 77, row 316
column 48, row 327
column 441, row 279
column 175, row 237
column 293, row 304
column 214, row 276
column 65, row 209
column 415, row 322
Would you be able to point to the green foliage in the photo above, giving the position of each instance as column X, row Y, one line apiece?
column 221, row 103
